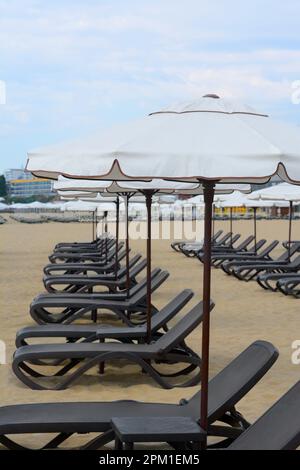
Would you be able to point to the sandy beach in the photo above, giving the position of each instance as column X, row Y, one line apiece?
column 243, row 314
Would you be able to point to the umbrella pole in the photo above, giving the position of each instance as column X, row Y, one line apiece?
column 290, row 227
column 148, row 196
column 106, row 240
column 117, row 236
column 255, row 229
column 213, row 221
column 93, row 225
column 208, row 191
column 231, row 227
column 126, row 199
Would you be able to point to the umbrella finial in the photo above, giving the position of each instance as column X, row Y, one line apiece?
column 211, row 95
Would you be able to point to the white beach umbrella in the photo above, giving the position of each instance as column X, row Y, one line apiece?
column 79, row 206
column 280, row 192
column 265, row 203
column 209, row 140
column 236, row 199
column 20, row 205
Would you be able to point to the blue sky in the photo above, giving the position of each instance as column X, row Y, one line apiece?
column 73, row 66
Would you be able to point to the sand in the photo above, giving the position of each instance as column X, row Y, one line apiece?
column 243, row 314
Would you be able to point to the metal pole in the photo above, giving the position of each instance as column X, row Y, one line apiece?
column 208, row 191
column 290, row 227
column 93, row 226
column 148, row 196
column 126, row 198
column 231, row 226
column 106, row 239
column 117, row 236
column 255, row 231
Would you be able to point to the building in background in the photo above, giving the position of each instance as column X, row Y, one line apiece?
column 21, row 184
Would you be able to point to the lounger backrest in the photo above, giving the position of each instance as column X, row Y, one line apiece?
column 132, row 262
column 121, row 255
column 156, row 281
column 245, row 243
column 232, row 240
column 223, row 239
column 288, row 253
column 170, row 310
column 230, row 385
column 269, row 248
column 216, row 235
column 293, row 249
column 259, row 244
column 296, row 262
column 181, row 330
column 135, row 270
column 277, row 429
column 143, row 282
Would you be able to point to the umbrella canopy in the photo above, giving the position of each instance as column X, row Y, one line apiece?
column 78, row 205
column 20, row 205
column 71, row 186
column 195, row 200
column 280, row 192
column 236, row 199
column 265, row 203
column 209, row 138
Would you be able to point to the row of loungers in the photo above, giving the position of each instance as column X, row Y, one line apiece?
column 274, row 274
column 247, row 261
column 87, row 342
column 71, row 297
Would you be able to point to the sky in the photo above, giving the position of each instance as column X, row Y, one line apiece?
column 70, row 67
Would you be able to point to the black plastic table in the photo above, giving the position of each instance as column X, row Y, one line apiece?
column 174, row 429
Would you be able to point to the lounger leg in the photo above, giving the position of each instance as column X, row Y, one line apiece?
column 118, row 444
column 101, row 364
column 129, row 446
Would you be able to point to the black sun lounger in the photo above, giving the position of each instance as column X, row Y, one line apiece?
column 99, row 249
column 290, row 285
column 221, row 256
column 94, row 245
column 228, row 243
column 83, row 283
column 122, row 295
column 226, row 389
column 268, row 279
column 92, row 332
column 246, row 271
column 235, row 249
column 175, row 245
column 75, row 306
column 99, row 244
column 277, row 429
column 231, row 261
column 80, row 357
column 85, row 267
column 65, row 257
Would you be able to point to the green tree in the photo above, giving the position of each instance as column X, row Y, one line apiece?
column 3, row 188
